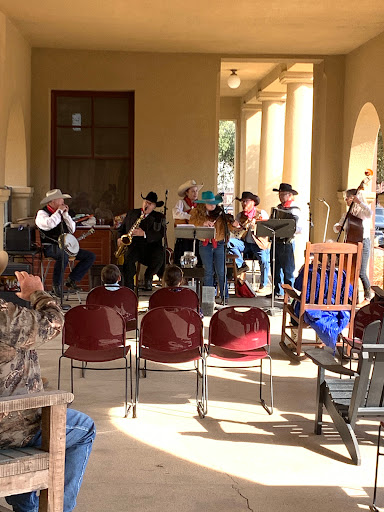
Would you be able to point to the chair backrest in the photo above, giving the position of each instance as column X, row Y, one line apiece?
column 365, row 315
column 123, row 300
column 239, row 328
column 176, row 296
column 331, row 277
column 168, row 333
column 93, row 327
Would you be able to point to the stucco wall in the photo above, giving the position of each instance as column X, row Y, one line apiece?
column 176, row 118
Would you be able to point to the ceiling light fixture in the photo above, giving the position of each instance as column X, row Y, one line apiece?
column 233, row 80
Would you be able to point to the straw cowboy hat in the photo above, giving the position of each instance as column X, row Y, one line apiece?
column 3, row 261
column 285, row 187
column 54, row 194
column 185, row 186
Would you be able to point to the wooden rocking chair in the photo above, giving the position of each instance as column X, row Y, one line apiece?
column 329, row 271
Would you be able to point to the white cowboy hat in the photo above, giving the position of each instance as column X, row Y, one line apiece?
column 54, row 194
column 188, row 184
column 3, row 261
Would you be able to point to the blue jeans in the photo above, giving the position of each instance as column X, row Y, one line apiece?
column 284, row 265
column 214, row 262
column 363, row 269
column 236, row 247
column 80, row 434
column 263, row 257
column 86, row 260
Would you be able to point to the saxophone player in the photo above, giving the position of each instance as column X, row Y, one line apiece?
column 145, row 227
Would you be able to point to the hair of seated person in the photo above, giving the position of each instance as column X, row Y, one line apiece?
column 173, row 276
column 110, row 274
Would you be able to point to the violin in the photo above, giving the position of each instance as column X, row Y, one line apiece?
column 354, row 233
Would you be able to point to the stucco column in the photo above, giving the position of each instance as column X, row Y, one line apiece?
column 298, row 146
column 271, row 147
column 21, row 198
column 250, row 147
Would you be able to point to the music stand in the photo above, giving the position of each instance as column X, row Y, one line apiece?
column 191, row 232
column 282, row 228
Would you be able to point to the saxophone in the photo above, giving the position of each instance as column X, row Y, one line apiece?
column 126, row 240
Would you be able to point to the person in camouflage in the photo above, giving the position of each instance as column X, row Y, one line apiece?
column 22, row 330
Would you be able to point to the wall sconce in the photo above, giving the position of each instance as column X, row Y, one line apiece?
column 233, row 80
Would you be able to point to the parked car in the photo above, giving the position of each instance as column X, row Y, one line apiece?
column 379, row 238
column 379, row 218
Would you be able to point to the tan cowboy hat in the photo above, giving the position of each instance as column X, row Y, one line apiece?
column 55, row 193
column 188, row 184
column 3, row 261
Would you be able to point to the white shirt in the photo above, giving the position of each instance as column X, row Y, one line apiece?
column 179, row 212
column 47, row 222
column 361, row 211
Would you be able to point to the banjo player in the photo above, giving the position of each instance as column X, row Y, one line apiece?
column 53, row 220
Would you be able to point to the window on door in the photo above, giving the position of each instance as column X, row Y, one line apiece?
column 92, row 150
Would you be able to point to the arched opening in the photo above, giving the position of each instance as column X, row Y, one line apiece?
column 363, row 156
column 16, row 149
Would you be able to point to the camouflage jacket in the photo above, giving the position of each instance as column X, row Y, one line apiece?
column 21, row 331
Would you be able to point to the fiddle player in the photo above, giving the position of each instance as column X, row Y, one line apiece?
column 249, row 244
column 363, row 212
column 212, row 251
column 146, row 228
column 188, row 192
column 53, row 220
column 285, row 247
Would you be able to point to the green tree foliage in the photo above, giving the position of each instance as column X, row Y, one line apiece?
column 227, row 137
column 380, row 158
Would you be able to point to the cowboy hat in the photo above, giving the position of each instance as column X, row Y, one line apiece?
column 53, row 194
column 285, row 187
column 249, row 195
column 209, row 197
column 3, row 261
column 185, row 186
column 152, row 198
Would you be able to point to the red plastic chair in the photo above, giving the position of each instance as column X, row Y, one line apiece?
column 123, row 300
column 96, row 334
column 174, row 335
column 364, row 316
column 242, row 334
column 175, row 296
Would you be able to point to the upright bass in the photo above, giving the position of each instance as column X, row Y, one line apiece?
column 354, row 231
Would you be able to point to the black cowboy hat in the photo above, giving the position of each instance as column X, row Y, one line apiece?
column 152, row 198
column 285, row 187
column 249, row 195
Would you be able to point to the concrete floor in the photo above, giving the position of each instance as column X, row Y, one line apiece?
column 236, row 459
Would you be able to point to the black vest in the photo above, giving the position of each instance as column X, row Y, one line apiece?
column 53, row 234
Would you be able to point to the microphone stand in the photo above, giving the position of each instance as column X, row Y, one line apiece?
column 310, row 221
column 165, row 230
column 327, row 219
column 64, row 307
column 226, row 238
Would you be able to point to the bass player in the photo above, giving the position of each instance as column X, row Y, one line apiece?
column 53, row 220
column 144, row 230
column 359, row 220
column 247, row 242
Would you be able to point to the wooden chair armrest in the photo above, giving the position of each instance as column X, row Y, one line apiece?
column 34, row 401
column 290, row 292
column 326, row 360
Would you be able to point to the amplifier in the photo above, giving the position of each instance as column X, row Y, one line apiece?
column 21, row 238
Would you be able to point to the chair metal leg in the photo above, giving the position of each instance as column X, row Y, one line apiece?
column 202, row 405
column 59, row 375
column 265, row 406
column 137, row 382
column 71, row 375
column 319, row 400
column 83, row 367
column 126, row 408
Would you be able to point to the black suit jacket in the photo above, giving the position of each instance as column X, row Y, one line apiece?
column 152, row 225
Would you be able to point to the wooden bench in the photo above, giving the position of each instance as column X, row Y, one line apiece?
column 347, row 400
column 32, row 469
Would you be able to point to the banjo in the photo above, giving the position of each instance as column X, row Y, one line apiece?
column 70, row 243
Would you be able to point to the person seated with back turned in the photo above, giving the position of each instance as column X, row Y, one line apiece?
column 173, row 276
column 145, row 228
column 111, row 277
column 22, row 330
column 53, row 220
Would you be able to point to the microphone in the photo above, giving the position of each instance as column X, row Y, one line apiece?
column 321, row 200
